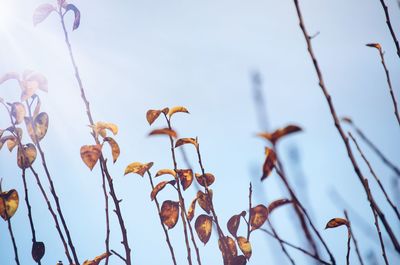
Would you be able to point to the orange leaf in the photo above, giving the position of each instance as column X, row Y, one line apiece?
column 159, row 187
column 186, row 177
column 234, row 222
column 244, row 246
column 336, row 222
column 374, row 45
column 204, row 201
column 275, row 204
column 259, row 215
column 174, row 110
column 26, row 156
column 269, row 164
column 18, row 112
column 183, row 141
column 166, row 171
column 203, row 226
column 207, row 178
column 114, row 148
column 278, row 134
column 164, row 131
column 169, row 213
column 138, row 168
column 90, row 154
column 228, row 247
column 152, row 115
column 191, row 210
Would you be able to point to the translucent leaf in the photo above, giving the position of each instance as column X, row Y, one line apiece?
column 278, row 134
column 42, row 12
column 152, row 115
column 138, row 168
column 207, row 178
column 336, row 222
column 38, row 251
column 174, row 110
column 114, row 148
column 166, row 171
column 18, row 112
column 191, row 210
column 259, row 215
column 8, row 76
column 164, row 131
column 77, row 14
column 40, row 125
column 170, row 213
column 203, row 226
column 101, row 127
column 244, row 246
column 8, row 204
column 90, row 154
column 277, row 203
column 183, row 141
column 159, row 187
column 269, row 163
column 186, row 177
column 26, row 156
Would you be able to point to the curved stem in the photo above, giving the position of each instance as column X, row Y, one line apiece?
column 107, row 240
column 354, row 240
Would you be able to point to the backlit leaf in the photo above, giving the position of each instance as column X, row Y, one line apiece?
column 31, row 82
column 101, row 127
column 90, row 154
column 269, row 163
column 165, row 171
column 42, row 12
column 191, row 210
column 26, row 155
column 259, row 215
column 138, row 168
column 159, row 187
column 18, row 112
column 336, row 222
column 277, row 203
column 8, row 204
column 207, row 178
column 204, row 201
column 38, row 250
column 164, row 131
column 244, row 246
column 203, row 226
column 114, row 148
column 77, row 15
column 278, row 134
column 152, row 115
column 186, row 177
column 8, row 76
column 183, row 141
column 170, row 213
column 40, row 125
column 174, row 110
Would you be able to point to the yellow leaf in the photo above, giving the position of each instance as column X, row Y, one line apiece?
column 174, row 110
column 8, row 204
column 228, row 247
column 169, row 213
column 244, row 246
column 259, row 215
column 186, row 177
column 166, row 171
column 101, row 127
column 138, row 168
column 114, row 148
column 96, row 260
column 26, row 156
column 90, row 154
column 203, row 226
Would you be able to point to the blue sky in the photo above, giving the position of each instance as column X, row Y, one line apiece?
column 138, row 55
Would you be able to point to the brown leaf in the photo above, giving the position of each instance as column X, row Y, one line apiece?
column 347, row 120
column 164, row 131
column 101, row 127
column 269, row 164
column 336, row 222
column 186, row 177
column 90, row 154
column 239, row 260
column 207, row 177
column 244, row 246
column 228, row 247
column 159, row 187
column 152, row 115
column 77, row 14
column 26, row 156
column 183, row 141
column 96, row 260
column 38, row 251
column 8, row 204
column 170, row 213
column 191, row 210
column 278, row 134
column 203, row 226
column 174, row 110
column 138, row 168
column 374, row 45
column 10, row 140
column 40, row 126
column 166, row 171
column 114, row 148
column 233, row 223
column 275, row 204
column 42, row 12
column 18, row 112
column 204, row 201
column 259, row 215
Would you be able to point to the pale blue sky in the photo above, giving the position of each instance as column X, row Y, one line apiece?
column 137, row 55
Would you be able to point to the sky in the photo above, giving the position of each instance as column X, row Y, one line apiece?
column 140, row 55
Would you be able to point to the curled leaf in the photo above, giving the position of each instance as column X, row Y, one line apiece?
column 18, row 112
column 8, row 204
column 259, row 215
column 183, row 141
column 38, row 251
column 203, row 226
column 244, row 246
column 374, row 45
column 42, row 12
column 169, row 213
column 9, row 76
column 336, row 222
column 152, row 115
column 96, row 260
column 101, row 127
column 269, row 163
column 31, row 82
column 174, row 110
column 233, row 223
column 278, row 134
column 26, row 155
column 166, row 171
column 114, row 148
column 90, row 154
column 207, row 178
column 164, row 131
column 186, row 177
column 77, row 14
column 347, row 120
column 277, row 203
column 138, row 168
column 159, row 187
column 191, row 210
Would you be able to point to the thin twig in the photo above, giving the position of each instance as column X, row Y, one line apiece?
column 13, row 241
column 107, row 240
column 354, row 240
column 280, row 242
column 389, row 24
column 118, row 255
column 345, row 139
column 248, row 222
column 376, row 177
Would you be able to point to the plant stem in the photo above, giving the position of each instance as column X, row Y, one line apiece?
column 376, row 177
column 13, row 241
column 107, row 240
column 250, row 203
column 280, row 242
column 354, row 240
column 295, row 247
column 389, row 24
column 171, row 249
column 345, row 139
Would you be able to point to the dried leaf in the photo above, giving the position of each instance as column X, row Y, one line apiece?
column 90, row 154
column 336, row 222
column 42, row 12
column 269, row 164
column 40, row 125
column 166, row 171
column 138, row 168
column 239, row 260
column 234, row 222
column 374, row 45
column 277, row 203
column 77, row 14
column 38, row 251
column 204, row 201
column 8, row 76
column 18, row 112
column 164, row 131
column 207, row 177
column 174, row 110
column 152, row 115
column 347, row 119
column 8, row 204
column 191, row 210
column 203, row 226
column 159, row 187
column 96, row 260
column 114, row 148
column 259, row 215
column 244, row 246
column 31, row 82
column 278, row 134
column 101, row 127
column 169, row 213
column 186, row 177
column 26, row 156
column 183, row 141
column 228, row 247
